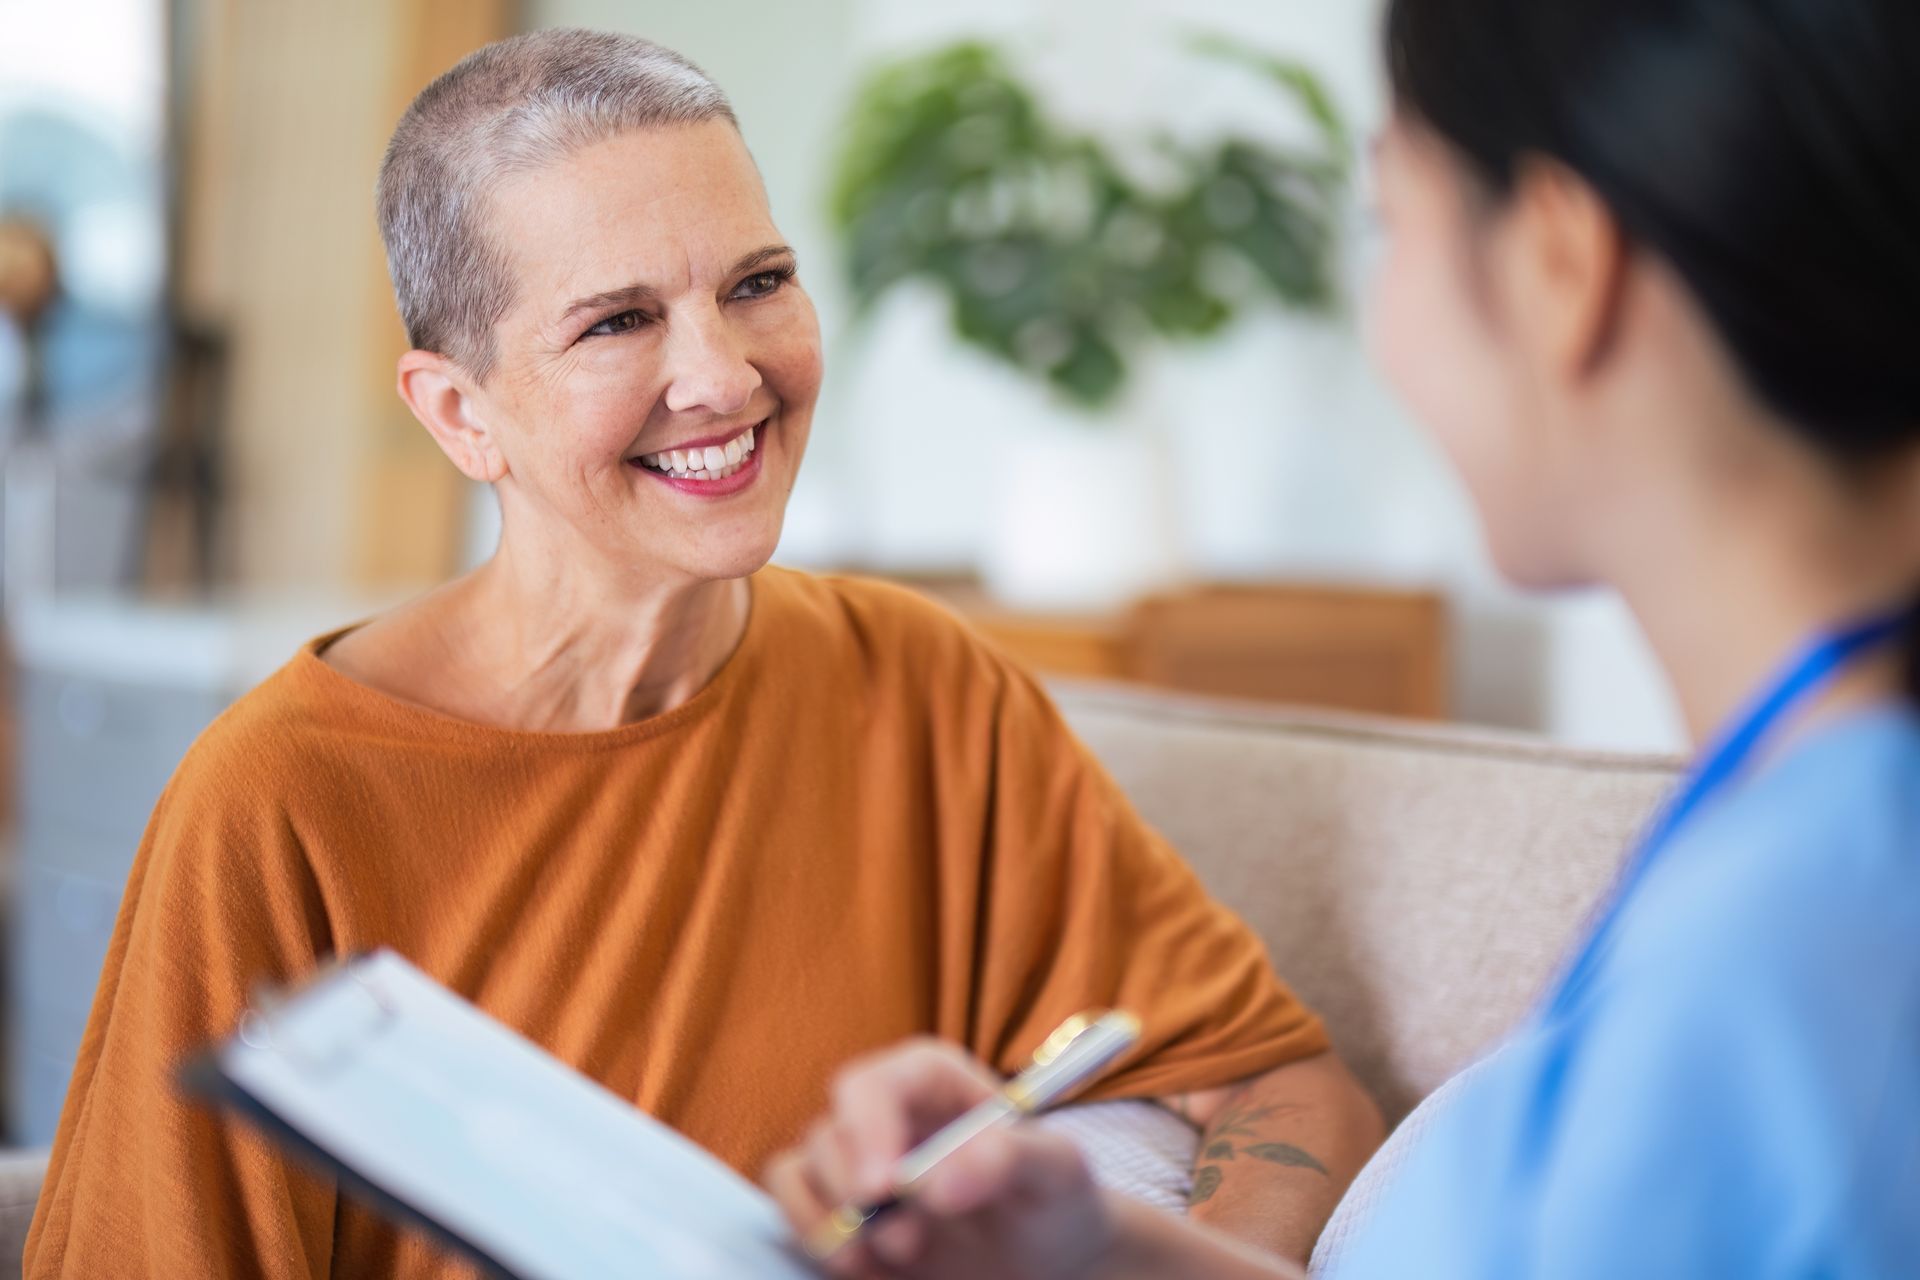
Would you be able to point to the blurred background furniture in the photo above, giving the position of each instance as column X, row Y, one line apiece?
column 1360, row 649
column 1416, row 884
column 110, row 694
column 21, row 1173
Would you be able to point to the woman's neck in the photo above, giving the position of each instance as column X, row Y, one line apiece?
column 571, row 652
column 1727, row 591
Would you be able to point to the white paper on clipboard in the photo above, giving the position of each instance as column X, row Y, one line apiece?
column 495, row 1142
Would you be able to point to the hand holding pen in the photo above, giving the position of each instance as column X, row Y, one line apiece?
column 859, row 1196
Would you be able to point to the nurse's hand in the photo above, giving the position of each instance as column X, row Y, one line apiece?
column 1012, row 1203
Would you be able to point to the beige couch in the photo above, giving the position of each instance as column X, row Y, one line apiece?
column 1415, row 885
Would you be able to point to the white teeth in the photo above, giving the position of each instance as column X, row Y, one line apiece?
column 714, row 462
column 720, row 474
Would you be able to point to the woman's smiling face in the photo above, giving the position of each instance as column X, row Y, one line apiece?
column 656, row 375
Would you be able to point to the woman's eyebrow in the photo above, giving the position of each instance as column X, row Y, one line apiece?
column 631, row 294
column 760, row 257
column 625, row 295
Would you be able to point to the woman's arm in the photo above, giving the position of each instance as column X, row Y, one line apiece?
column 1278, row 1151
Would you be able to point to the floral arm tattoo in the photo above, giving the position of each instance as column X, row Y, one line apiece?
column 1237, row 1134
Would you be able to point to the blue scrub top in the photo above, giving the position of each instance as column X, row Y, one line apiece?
column 1736, row 1091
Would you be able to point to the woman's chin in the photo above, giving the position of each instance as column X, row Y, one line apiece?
column 1528, row 569
column 719, row 560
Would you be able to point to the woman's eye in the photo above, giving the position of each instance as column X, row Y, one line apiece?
column 759, row 286
column 625, row 322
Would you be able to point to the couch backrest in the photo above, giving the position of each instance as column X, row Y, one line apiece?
column 1418, row 886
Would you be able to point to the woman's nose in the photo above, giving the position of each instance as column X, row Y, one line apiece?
column 708, row 367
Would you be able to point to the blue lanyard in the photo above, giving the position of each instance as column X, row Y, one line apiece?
column 1810, row 671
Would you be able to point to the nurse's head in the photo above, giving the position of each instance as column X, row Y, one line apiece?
column 1654, row 259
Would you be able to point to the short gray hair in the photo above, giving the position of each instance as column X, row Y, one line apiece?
column 513, row 106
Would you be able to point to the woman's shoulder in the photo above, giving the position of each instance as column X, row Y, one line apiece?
column 231, row 821
column 1841, row 811
column 1809, row 875
column 1765, row 967
column 881, row 622
column 273, row 740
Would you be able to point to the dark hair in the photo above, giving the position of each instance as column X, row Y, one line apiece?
column 1913, row 654
column 1768, row 150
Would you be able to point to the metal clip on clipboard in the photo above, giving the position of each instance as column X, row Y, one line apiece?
column 366, row 1014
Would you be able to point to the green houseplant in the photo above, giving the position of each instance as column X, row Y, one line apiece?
column 1056, row 255
column 1071, row 258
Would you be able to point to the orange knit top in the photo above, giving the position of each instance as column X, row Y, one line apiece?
column 867, row 826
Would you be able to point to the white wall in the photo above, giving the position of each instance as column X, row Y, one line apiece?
column 1294, row 459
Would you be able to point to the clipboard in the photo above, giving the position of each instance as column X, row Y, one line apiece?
column 445, row 1120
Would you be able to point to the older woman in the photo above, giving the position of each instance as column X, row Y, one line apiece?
column 700, row 828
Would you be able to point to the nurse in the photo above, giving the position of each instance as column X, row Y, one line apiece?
column 1654, row 284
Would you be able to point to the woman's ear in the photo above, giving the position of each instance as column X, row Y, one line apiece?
column 442, row 396
column 1572, row 259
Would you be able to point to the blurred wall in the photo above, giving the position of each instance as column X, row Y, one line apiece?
column 83, row 97
column 332, row 484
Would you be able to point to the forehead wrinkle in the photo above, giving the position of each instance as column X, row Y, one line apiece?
column 630, row 267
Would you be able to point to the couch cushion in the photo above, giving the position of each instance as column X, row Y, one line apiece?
column 1418, row 886
column 21, row 1173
